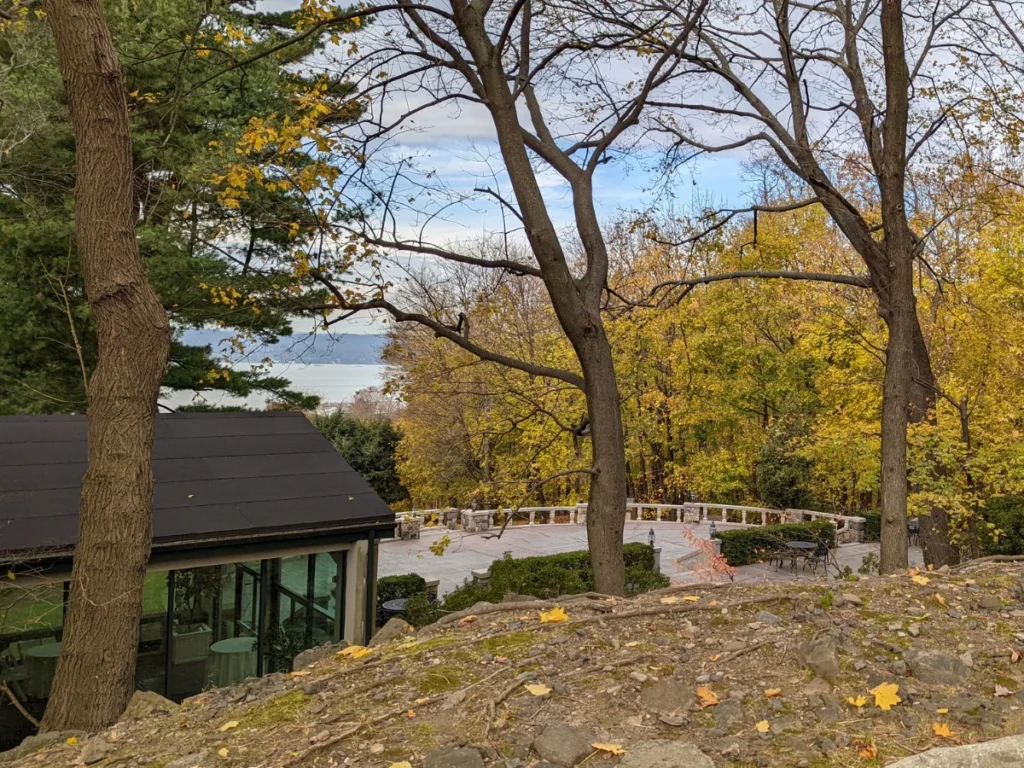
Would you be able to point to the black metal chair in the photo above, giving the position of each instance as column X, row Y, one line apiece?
column 819, row 556
column 914, row 531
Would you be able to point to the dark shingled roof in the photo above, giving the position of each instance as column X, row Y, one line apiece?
column 219, row 477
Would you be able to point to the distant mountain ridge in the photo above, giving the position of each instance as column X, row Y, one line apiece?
column 309, row 349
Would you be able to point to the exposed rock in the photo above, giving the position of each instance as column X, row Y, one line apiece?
column 638, row 677
column 36, row 742
column 729, row 715
column 988, row 754
column 766, row 617
column 990, row 602
column 562, row 745
column 821, row 657
column 676, row 721
column 817, row 686
column 848, row 598
column 665, row 754
column 307, row 657
column 453, row 757
column 394, row 629
column 938, row 667
column 195, row 760
column 914, row 630
column 734, row 645
column 96, row 749
column 668, row 697
column 146, row 703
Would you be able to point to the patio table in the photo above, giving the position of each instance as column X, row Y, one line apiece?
column 232, row 661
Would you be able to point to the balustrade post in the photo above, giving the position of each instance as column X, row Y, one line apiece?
column 743, row 517
column 533, row 519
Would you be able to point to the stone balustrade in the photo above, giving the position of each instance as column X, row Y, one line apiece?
column 849, row 528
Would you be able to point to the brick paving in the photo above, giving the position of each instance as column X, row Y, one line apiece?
column 469, row 552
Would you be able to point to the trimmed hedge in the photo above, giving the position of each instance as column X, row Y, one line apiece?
column 872, row 525
column 397, row 587
column 1006, row 513
column 749, row 545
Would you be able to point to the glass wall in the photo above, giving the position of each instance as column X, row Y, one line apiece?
column 302, row 610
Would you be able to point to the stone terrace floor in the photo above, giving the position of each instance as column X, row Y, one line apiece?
column 469, row 552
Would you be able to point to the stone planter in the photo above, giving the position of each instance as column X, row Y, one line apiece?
column 190, row 643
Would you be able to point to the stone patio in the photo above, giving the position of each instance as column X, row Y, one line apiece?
column 476, row 551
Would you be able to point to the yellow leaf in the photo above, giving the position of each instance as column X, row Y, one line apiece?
column 716, row 657
column 858, row 702
column 299, row 673
column 411, row 714
column 942, row 711
column 771, row 693
column 403, row 764
column 870, row 752
column 913, row 571
column 611, row 749
column 355, row 651
column 422, row 701
column 555, row 615
column 707, row 697
column 941, row 729
column 223, row 752
column 922, row 580
column 465, row 622
column 763, row 726
column 228, row 726
column 71, row 741
column 669, row 600
column 691, row 598
column 940, row 598
column 538, row 689
column 885, row 696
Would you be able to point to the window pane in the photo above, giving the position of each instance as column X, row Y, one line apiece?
column 150, row 670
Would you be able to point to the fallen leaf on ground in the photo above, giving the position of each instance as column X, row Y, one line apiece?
column 692, row 599
column 71, row 741
column 942, row 711
column 707, row 697
column 922, row 580
column 465, row 622
column 611, row 749
column 669, row 600
column 299, row 673
column 913, row 571
column 763, row 726
column 1001, row 691
column 940, row 598
column 870, row 752
column 538, row 689
column 411, row 714
column 355, row 651
column 223, row 752
column 941, row 729
column 228, row 726
column 771, row 693
column 716, row 657
column 713, row 603
column 555, row 615
column 423, row 700
column 885, row 696
column 403, row 764
column 858, row 702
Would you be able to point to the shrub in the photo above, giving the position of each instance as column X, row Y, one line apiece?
column 1006, row 513
column 395, row 588
column 872, row 525
column 749, row 545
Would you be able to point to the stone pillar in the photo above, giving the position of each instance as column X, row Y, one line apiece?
column 481, row 577
column 657, row 559
column 581, row 513
column 475, row 521
column 856, row 528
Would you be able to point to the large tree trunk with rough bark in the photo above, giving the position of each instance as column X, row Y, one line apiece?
column 96, row 669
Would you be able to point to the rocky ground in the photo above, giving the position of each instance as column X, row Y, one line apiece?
column 866, row 673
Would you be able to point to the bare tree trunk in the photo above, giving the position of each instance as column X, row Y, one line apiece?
column 606, row 507
column 96, row 669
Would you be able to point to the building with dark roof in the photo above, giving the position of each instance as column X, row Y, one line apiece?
column 264, row 544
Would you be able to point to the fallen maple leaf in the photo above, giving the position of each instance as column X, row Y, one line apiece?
column 922, row 580
column 870, row 752
column 858, row 702
column 913, row 571
column 403, row 764
column 763, row 726
column 942, row 711
column 228, row 726
column 71, row 741
column 411, row 714
column 941, row 729
column 355, row 651
column 771, row 693
column 223, row 751
column 555, row 615
column 669, row 600
column 538, row 689
column 1001, row 691
column 708, row 698
column 692, row 598
column 940, row 598
column 611, row 749
column 885, row 696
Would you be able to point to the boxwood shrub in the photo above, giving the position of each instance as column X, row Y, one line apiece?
column 396, row 587
column 751, row 545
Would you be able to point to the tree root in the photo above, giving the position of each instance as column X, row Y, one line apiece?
column 530, row 605
column 989, row 559
column 657, row 610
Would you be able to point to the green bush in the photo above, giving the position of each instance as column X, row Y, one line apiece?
column 872, row 525
column 750, row 545
column 395, row 588
column 1006, row 513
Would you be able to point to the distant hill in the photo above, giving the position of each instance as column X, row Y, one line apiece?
column 318, row 349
